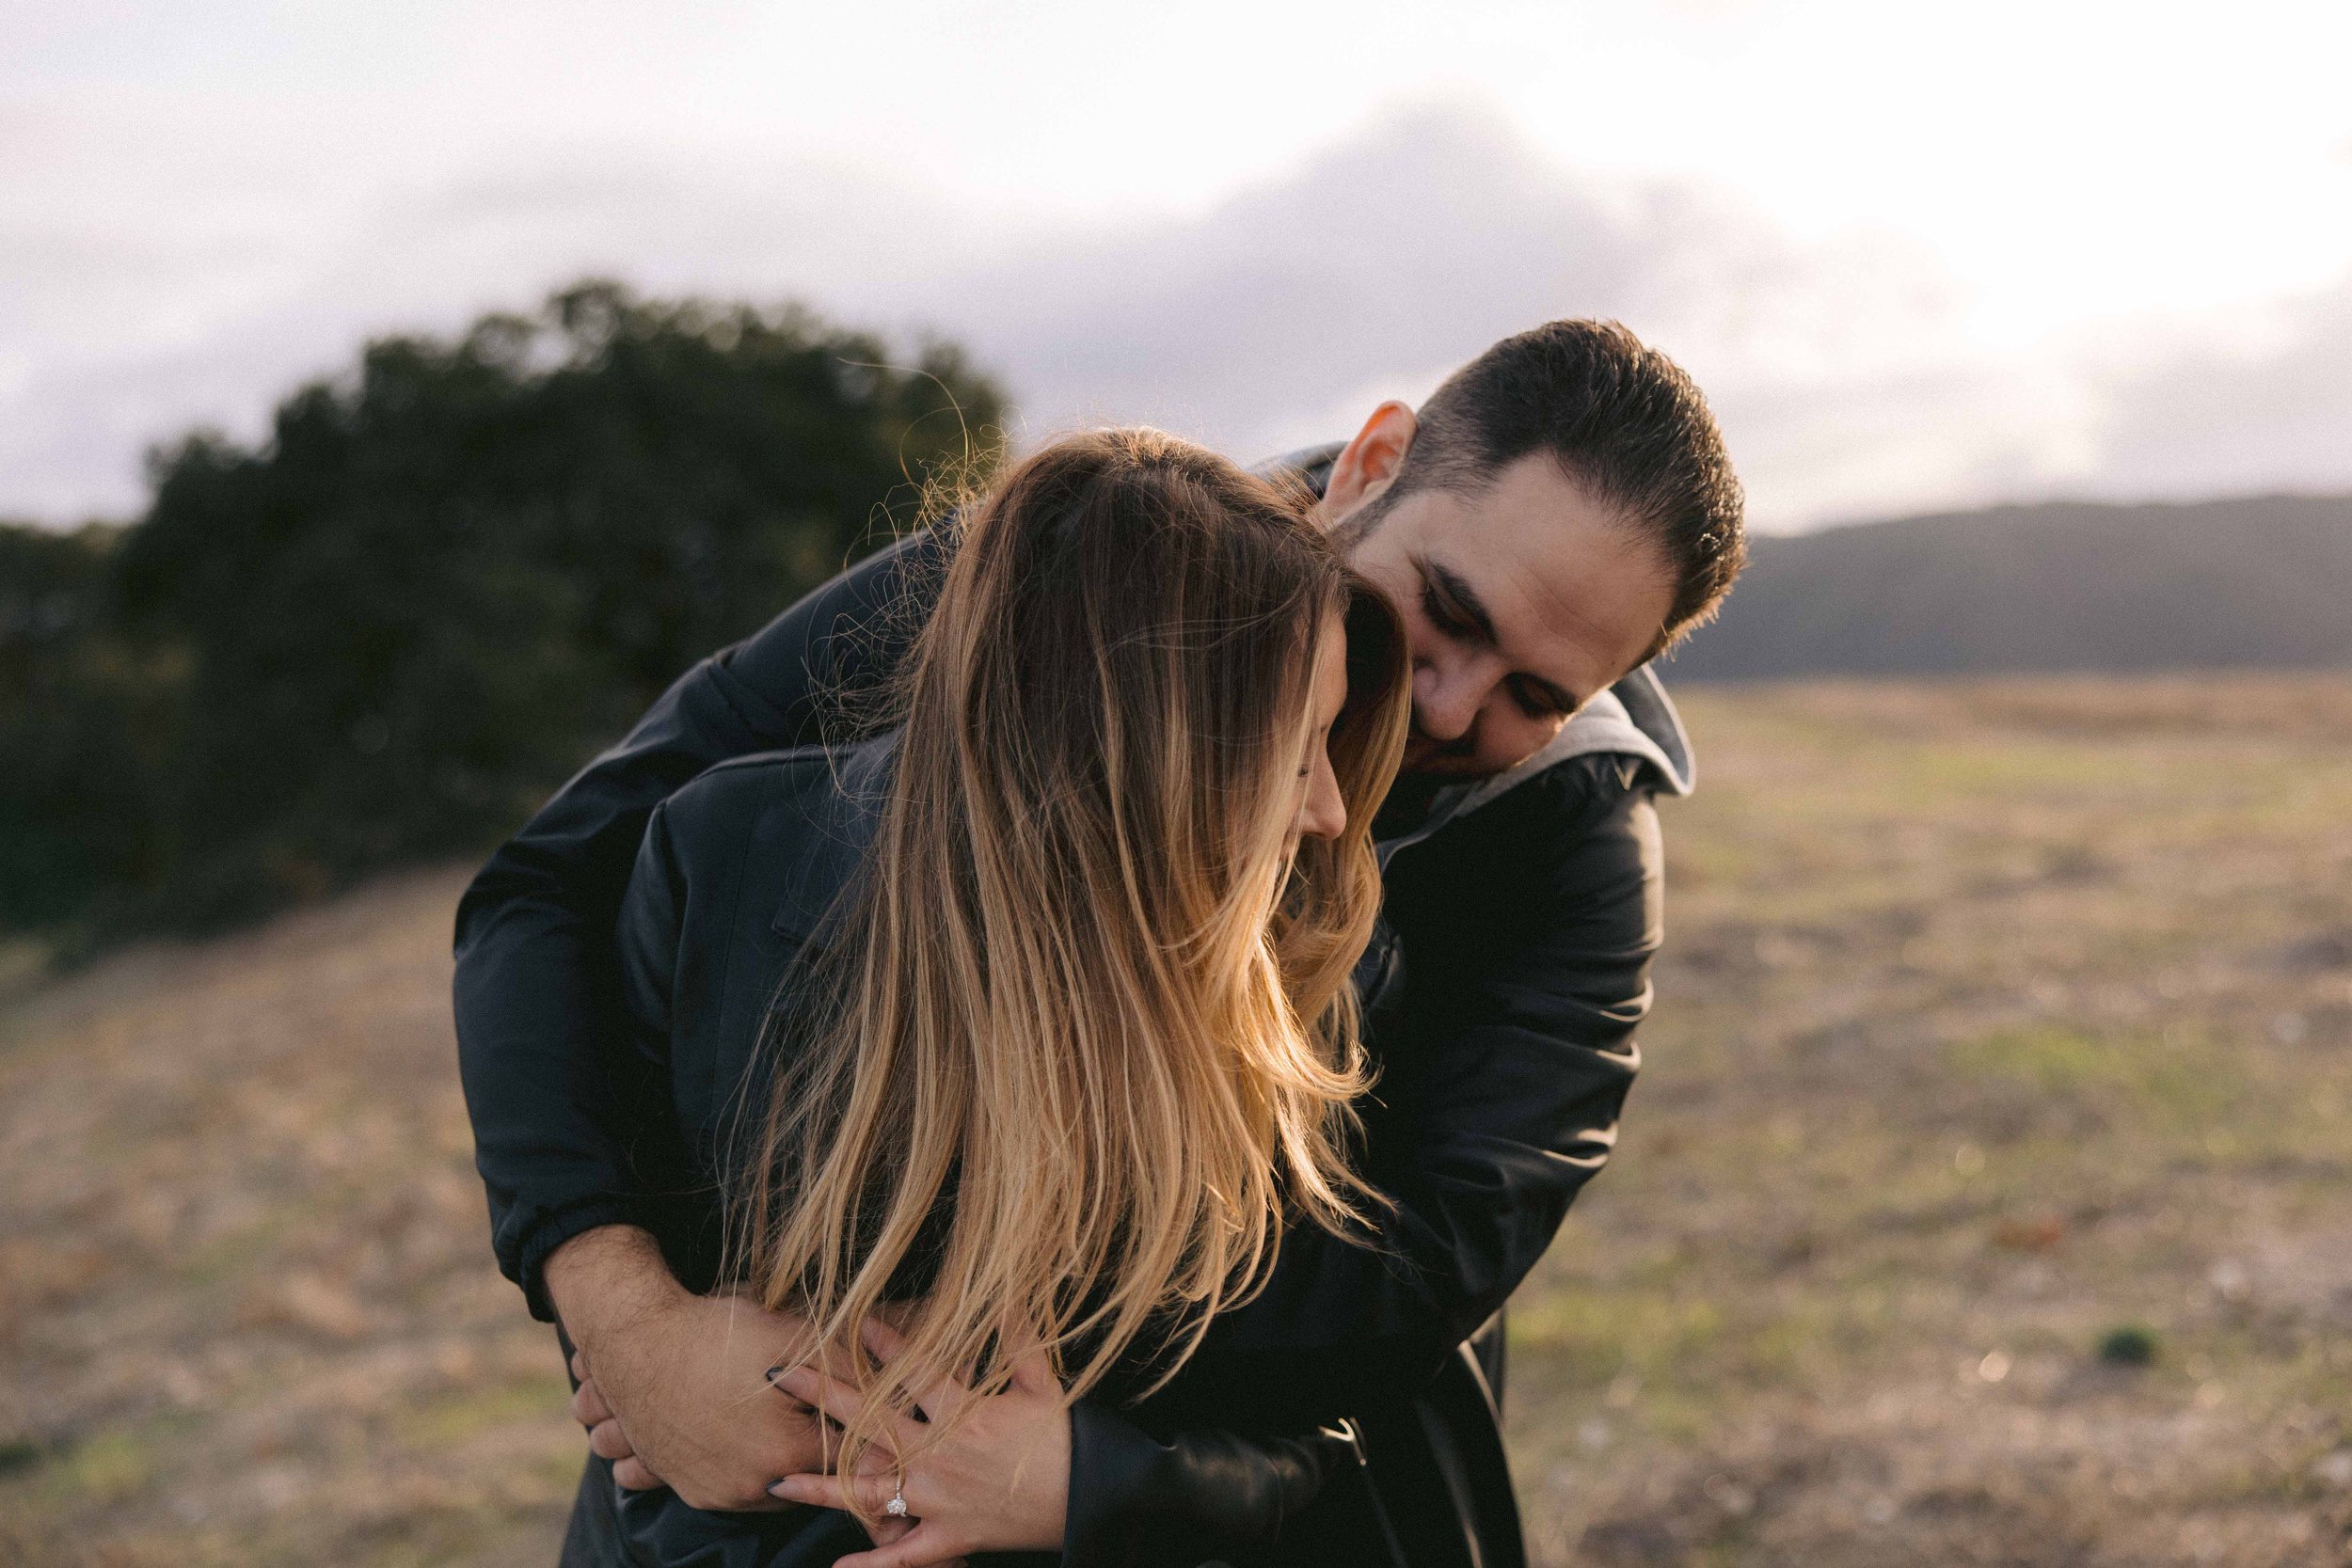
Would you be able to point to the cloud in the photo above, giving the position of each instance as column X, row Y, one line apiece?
column 2265, row 407
column 1281, row 315
column 1276, row 317
column 1397, row 255
column 1850, row 373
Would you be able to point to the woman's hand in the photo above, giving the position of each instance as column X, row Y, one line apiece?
column 983, row 1473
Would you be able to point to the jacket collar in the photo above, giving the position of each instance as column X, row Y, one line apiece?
column 1632, row 718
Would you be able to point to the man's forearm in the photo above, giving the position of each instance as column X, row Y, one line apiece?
column 689, row 1380
column 605, row 1281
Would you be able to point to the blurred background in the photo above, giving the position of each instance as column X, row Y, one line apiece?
column 393, row 398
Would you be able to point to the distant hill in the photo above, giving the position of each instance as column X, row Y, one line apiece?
column 2260, row 584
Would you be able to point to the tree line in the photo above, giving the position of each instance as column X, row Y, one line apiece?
column 444, row 579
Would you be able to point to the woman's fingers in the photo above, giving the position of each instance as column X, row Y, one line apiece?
column 937, row 1399
column 887, row 1531
column 1030, row 1363
column 927, row 1545
column 840, row 1402
column 830, row 1395
column 1033, row 1372
column 872, row 1491
column 816, row 1491
column 882, row 1340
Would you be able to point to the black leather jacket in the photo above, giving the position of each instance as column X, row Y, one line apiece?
column 1525, row 914
column 736, row 876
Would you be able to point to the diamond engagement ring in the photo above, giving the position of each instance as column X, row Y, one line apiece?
column 896, row 1506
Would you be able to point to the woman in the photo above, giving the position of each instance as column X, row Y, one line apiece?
column 1001, row 1047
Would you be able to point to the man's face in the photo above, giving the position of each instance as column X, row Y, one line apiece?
column 1520, row 602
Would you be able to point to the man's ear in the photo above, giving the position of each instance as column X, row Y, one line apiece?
column 1369, row 464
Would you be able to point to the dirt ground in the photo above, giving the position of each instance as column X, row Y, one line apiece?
column 1984, row 1199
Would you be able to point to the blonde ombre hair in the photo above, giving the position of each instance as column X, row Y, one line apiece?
column 1089, row 1038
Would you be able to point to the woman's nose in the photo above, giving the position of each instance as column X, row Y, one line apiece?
column 1324, row 813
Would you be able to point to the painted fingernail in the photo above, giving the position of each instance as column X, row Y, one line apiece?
column 775, row 1371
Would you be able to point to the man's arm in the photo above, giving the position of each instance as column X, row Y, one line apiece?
column 682, row 1391
column 539, row 1044
column 1498, row 1100
column 552, row 1080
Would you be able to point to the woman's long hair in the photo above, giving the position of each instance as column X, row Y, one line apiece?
column 1090, row 1036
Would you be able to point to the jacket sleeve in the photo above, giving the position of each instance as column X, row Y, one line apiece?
column 1502, row 1083
column 539, row 1017
column 1139, row 1501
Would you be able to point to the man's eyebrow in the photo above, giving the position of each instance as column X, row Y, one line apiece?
column 1466, row 600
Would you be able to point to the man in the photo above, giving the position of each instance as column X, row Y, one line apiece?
column 1556, row 516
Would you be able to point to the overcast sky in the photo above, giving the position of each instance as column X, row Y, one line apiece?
column 1920, row 255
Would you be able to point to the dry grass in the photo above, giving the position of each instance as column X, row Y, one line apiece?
column 1996, row 1017
column 247, row 1313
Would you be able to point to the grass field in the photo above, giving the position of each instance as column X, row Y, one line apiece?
column 1984, row 1199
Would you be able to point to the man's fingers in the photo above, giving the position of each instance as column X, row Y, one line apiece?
column 606, row 1440
column 588, row 1406
column 632, row 1474
column 579, row 1365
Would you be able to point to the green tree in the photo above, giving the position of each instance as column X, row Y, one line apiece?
column 445, row 579
column 85, row 724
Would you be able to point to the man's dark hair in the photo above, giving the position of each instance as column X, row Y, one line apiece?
column 1623, row 421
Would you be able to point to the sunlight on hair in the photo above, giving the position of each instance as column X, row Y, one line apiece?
column 1085, row 995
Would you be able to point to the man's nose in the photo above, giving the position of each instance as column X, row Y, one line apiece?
column 1445, row 700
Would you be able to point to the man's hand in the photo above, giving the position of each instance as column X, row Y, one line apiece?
column 675, row 1387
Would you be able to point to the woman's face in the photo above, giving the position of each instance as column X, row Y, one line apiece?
column 1322, row 809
